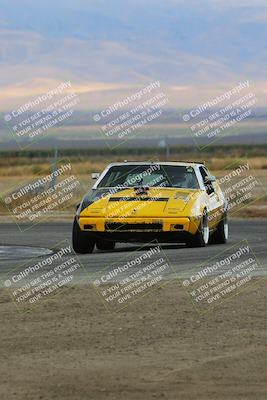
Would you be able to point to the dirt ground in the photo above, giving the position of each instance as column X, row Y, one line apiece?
column 159, row 347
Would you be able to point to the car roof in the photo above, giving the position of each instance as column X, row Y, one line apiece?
column 178, row 163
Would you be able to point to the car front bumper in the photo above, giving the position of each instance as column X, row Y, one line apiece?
column 138, row 225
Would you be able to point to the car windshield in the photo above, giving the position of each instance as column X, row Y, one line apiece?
column 153, row 175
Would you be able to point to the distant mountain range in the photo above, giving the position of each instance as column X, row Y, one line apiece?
column 137, row 142
column 192, row 47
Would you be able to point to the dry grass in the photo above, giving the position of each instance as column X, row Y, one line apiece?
column 20, row 166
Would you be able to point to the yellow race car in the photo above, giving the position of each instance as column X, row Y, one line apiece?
column 177, row 202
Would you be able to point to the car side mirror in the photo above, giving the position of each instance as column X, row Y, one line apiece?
column 95, row 175
column 209, row 179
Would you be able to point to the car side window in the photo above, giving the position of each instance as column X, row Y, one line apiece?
column 209, row 187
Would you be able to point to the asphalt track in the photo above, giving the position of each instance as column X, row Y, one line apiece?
column 36, row 243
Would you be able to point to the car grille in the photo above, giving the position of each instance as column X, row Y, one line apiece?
column 139, row 199
column 115, row 226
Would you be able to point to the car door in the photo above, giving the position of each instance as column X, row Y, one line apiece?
column 214, row 200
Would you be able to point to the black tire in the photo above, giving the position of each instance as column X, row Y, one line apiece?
column 105, row 245
column 220, row 236
column 81, row 243
column 201, row 238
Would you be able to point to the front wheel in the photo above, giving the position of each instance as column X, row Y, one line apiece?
column 105, row 245
column 221, row 234
column 81, row 243
column 201, row 238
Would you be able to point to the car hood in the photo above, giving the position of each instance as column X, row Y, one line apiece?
column 131, row 202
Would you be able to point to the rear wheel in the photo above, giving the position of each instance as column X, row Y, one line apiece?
column 201, row 238
column 81, row 243
column 105, row 245
column 221, row 234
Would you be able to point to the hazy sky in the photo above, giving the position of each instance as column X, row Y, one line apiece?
column 106, row 48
